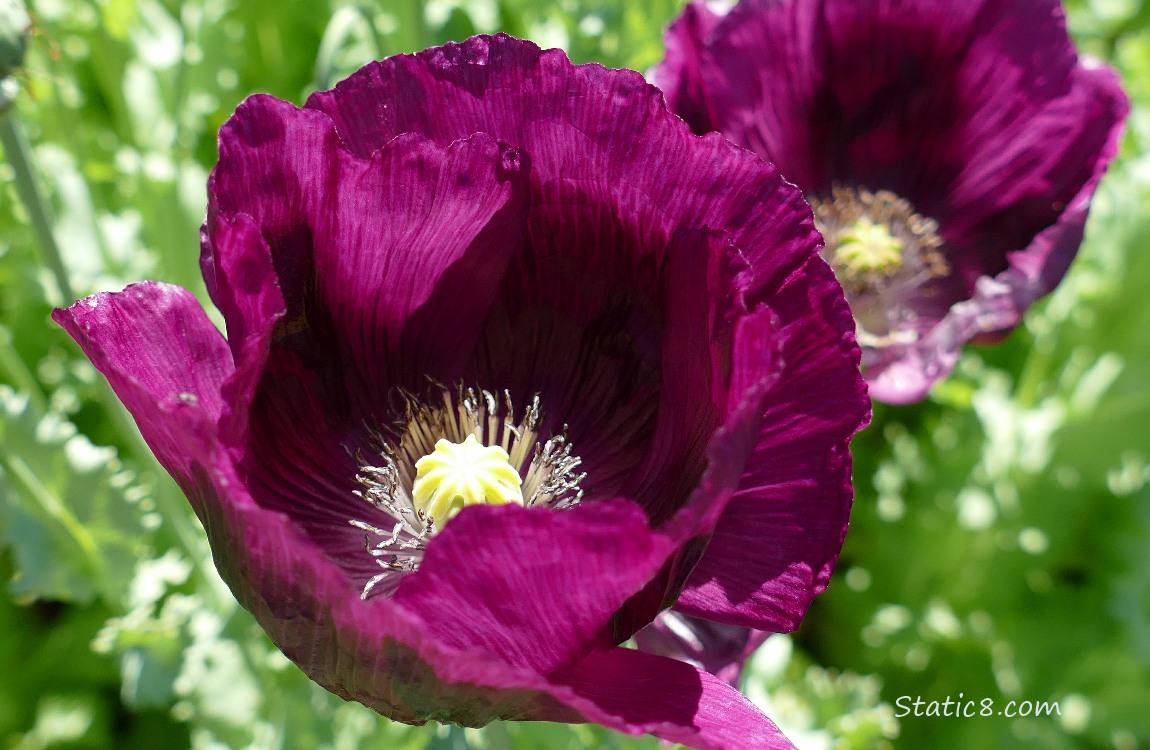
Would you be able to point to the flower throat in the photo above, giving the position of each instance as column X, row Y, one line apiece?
column 882, row 252
column 458, row 447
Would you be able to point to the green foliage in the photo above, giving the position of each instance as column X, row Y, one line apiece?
column 71, row 517
column 1000, row 545
column 818, row 706
column 14, row 26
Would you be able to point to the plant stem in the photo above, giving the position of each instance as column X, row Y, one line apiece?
column 19, row 374
column 20, row 157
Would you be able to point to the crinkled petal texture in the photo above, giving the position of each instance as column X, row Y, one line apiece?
column 488, row 213
column 979, row 113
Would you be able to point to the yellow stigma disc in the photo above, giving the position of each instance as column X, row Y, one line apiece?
column 867, row 247
column 455, row 475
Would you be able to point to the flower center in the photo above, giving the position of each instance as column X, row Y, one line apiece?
column 455, row 475
column 456, row 448
column 883, row 253
column 867, row 247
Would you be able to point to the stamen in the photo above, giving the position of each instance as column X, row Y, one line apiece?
column 462, row 448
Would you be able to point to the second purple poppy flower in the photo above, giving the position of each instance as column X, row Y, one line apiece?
column 950, row 149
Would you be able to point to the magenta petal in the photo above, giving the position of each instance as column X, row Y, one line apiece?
column 636, row 692
column 693, row 397
column 773, row 107
column 795, row 495
column 798, row 524
column 391, row 237
column 163, row 358
column 583, row 565
column 404, row 220
column 252, row 304
column 680, row 75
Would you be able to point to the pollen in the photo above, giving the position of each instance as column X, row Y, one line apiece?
column 455, row 475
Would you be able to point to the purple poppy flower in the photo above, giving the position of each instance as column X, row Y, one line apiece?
column 950, row 150
column 493, row 378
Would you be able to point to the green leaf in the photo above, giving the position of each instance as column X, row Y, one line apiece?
column 70, row 511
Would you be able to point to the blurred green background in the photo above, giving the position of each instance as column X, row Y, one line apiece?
column 1000, row 543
